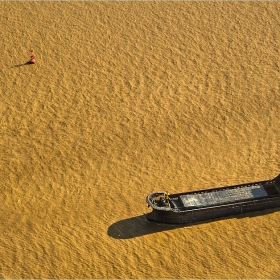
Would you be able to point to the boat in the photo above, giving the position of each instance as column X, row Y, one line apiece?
column 207, row 204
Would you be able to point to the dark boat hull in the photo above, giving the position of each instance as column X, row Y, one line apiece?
column 209, row 213
column 199, row 214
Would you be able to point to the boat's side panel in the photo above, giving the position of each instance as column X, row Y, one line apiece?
column 208, row 213
column 257, row 206
column 192, row 215
column 277, row 179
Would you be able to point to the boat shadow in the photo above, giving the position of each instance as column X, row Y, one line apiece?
column 139, row 226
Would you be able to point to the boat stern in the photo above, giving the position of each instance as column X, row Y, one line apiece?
column 158, row 200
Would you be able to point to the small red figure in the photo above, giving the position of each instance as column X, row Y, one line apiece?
column 32, row 58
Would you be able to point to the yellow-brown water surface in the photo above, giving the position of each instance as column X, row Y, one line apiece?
column 127, row 98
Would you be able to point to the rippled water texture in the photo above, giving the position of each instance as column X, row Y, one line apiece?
column 125, row 99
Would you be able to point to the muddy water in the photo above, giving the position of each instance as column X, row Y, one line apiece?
column 124, row 99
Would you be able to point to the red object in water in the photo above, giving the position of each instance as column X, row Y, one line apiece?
column 32, row 60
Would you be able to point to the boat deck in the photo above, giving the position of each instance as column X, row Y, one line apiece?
column 222, row 196
column 206, row 204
